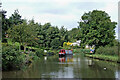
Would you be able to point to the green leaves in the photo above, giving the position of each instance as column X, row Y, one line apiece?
column 15, row 18
column 97, row 28
column 11, row 57
column 55, row 43
column 24, row 33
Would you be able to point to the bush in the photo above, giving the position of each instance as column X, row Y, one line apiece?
column 75, row 51
column 39, row 52
column 11, row 58
column 107, row 50
column 32, row 56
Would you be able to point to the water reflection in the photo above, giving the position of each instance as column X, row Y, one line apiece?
column 70, row 66
column 90, row 62
column 62, row 59
column 45, row 58
column 67, row 58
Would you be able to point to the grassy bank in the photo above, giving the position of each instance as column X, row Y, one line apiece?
column 106, row 53
column 103, row 57
column 109, row 55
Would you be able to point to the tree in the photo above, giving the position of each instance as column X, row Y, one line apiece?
column 74, row 34
column 30, row 34
column 96, row 29
column 15, row 18
column 63, row 33
column 5, row 25
column 23, row 33
column 42, row 34
column 55, row 43
column 51, row 34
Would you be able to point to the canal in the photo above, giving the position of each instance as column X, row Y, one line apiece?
column 71, row 66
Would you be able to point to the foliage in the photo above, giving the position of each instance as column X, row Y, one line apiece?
column 74, row 34
column 5, row 25
column 77, row 50
column 39, row 52
column 15, row 18
column 23, row 33
column 11, row 58
column 96, row 29
column 55, row 43
column 63, row 35
column 85, row 50
column 32, row 56
column 48, row 34
column 76, row 46
column 107, row 50
column 103, row 57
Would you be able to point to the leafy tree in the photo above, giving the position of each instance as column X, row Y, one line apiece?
column 5, row 25
column 51, row 33
column 74, row 34
column 15, row 18
column 96, row 29
column 63, row 33
column 42, row 33
column 30, row 34
column 23, row 33
column 55, row 43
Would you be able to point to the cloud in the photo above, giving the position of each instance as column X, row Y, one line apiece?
column 59, row 12
column 88, row 5
column 112, row 10
column 68, row 21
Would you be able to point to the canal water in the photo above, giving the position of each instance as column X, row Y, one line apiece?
column 71, row 66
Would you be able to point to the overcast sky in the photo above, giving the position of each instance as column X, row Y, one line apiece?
column 60, row 12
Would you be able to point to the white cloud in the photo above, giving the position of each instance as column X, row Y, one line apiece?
column 69, row 15
column 112, row 10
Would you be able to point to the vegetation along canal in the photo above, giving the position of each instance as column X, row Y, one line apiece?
column 71, row 66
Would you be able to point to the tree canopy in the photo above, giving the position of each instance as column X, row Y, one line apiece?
column 16, row 18
column 24, row 33
column 96, row 29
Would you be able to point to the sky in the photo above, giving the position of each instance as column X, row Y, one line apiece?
column 59, row 13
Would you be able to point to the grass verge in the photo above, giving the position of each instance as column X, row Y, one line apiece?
column 111, row 58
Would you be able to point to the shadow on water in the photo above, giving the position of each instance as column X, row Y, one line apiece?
column 70, row 66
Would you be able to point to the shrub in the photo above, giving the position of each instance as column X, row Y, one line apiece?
column 75, row 51
column 107, row 50
column 11, row 58
column 39, row 52
column 33, row 56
